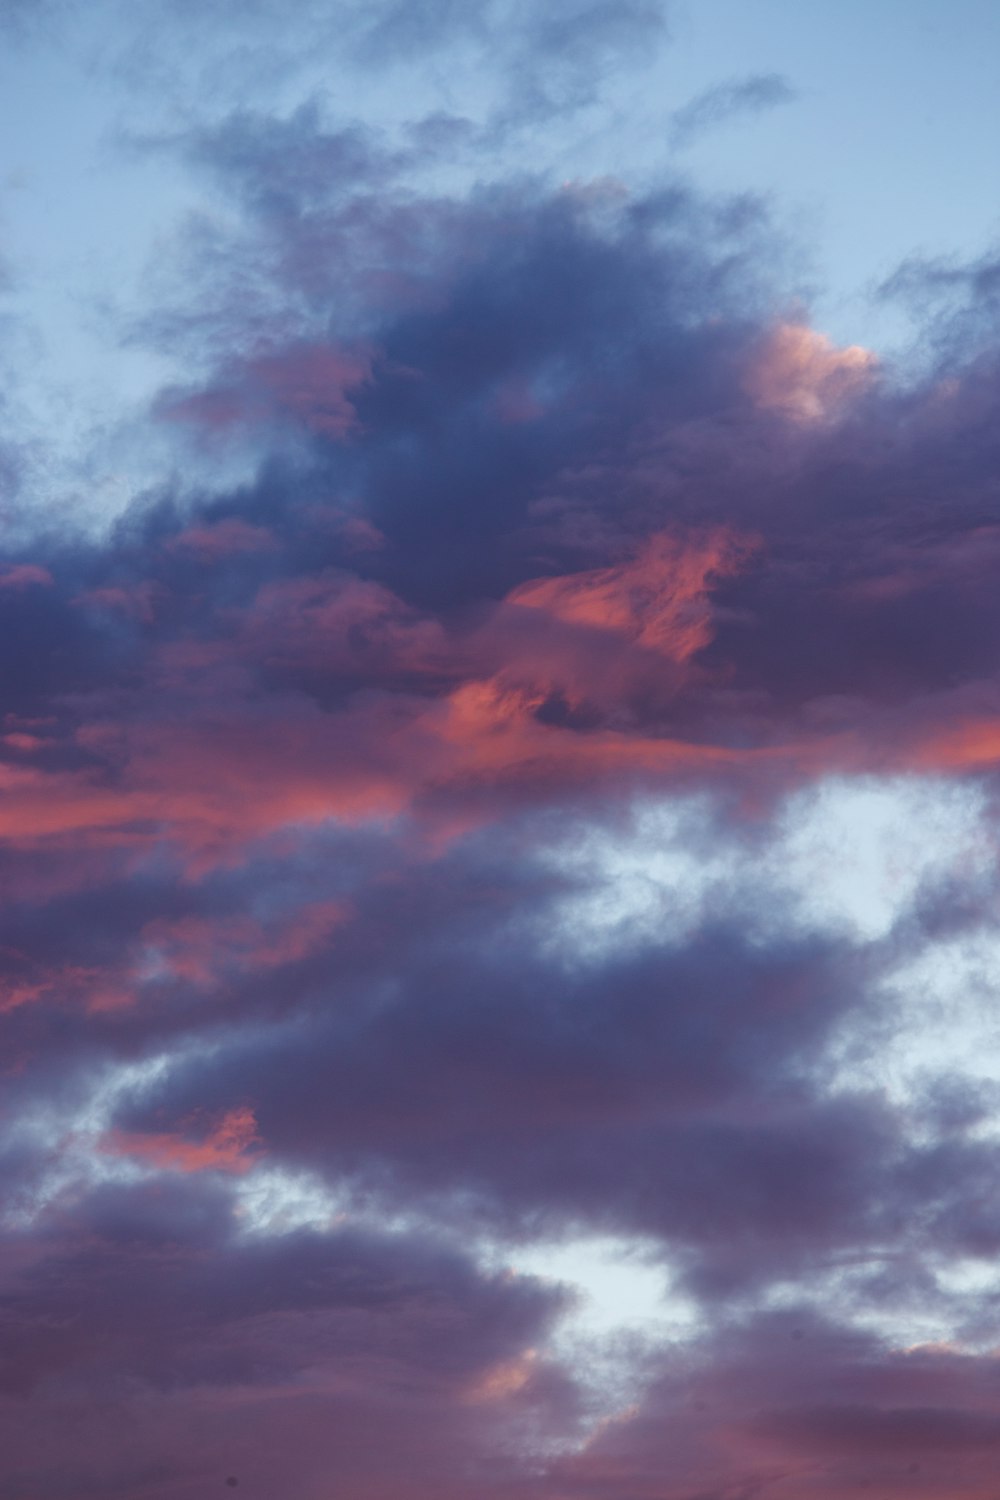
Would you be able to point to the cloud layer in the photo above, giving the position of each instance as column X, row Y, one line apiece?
column 524, row 773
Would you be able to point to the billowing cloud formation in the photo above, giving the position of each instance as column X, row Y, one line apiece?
column 546, row 796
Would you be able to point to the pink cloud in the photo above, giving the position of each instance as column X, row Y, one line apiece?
column 24, row 575
column 223, row 539
column 658, row 599
column 200, row 950
column 802, row 375
column 137, row 601
column 308, row 385
column 228, row 1147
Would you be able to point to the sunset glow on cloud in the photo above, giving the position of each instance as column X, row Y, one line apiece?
column 499, row 749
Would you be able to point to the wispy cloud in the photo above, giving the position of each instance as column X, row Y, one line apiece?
column 728, row 101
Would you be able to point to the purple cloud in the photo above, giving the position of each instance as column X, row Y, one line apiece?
column 546, row 796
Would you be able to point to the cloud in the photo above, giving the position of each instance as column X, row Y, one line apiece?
column 309, row 386
column 549, row 62
column 788, row 1397
column 727, row 101
column 544, row 795
column 955, row 304
column 20, row 18
column 509, row 66
column 151, row 1311
column 24, row 575
column 800, row 373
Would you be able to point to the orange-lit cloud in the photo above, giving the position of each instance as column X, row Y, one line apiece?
column 228, row 1147
column 658, row 599
column 503, row 1380
column 973, row 744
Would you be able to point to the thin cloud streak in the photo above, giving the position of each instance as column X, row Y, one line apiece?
column 724, row 102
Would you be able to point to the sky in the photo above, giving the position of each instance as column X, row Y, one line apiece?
column 499, row 750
